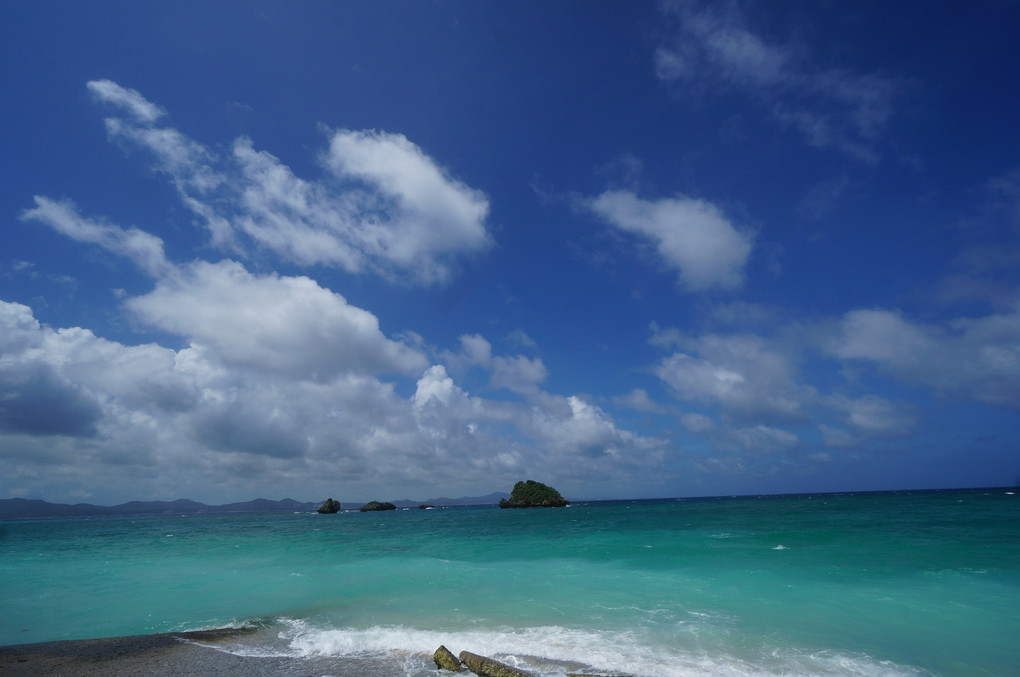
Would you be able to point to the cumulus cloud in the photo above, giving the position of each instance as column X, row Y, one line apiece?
column 436, row 385
column 518, row 373
column 385, row 208
column 275, row 380
column 739, row 373
column 36, row 401
column 692, row 236
column 429, row 213
column 582, row 434
column 977, row 358
column 289, row 325
column 714, row 44
column 286, row 392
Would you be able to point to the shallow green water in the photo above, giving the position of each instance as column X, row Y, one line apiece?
column 868, row 584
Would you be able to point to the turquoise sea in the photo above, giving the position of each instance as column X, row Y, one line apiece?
column 913, row 583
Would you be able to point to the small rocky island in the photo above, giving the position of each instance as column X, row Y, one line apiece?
column 532, row 494
column 330, row 507
column 377, row 505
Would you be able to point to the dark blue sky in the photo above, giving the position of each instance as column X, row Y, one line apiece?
column 407, row 249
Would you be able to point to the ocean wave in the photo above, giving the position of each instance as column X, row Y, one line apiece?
column 552, row 651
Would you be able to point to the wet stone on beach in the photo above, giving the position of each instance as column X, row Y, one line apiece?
column 445, row 660
column 486, row 667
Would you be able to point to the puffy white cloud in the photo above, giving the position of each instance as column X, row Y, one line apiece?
column 288, row 325
column 434, row 385
column 142, row 248
column 386, row 208
column 831, row 107
column 430, row 215
column 19, row 330
column 270, row 403
column 518, row 374
column 475, row 350
column 690, row 235
column 280, row 385
column 583, row 436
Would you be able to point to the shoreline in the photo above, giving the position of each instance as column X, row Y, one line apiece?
column 172, row 653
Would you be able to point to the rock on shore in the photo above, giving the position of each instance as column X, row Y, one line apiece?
column 486, row 667
column 445, row 660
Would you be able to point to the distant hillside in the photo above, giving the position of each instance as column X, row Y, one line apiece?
column 24, row 508
column 442, row 501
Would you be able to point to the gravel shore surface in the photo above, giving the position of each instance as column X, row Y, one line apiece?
column 179, row 653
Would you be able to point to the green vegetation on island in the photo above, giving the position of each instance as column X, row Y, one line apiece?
column 532, row 494
column 330, row 507
column 377, row 505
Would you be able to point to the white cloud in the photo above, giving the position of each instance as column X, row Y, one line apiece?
column 289, row 325
column 697, row 423
column 279, row 385
column 520, row 338
column 741, row 374
column 434, row 385
column 275, row 393
column 518, row 374
column 142, row 248
column 431, row 214
column 690, row 235
column 584, row 436
column 831, row 107
column 872, row 416
column 475, row 349
column 639, row 400
column 977, row 358
column 189, row 164
column 129, row 99
column 386, row 208
column 300, row 220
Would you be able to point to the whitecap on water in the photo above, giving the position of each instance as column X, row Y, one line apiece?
column 552, row 651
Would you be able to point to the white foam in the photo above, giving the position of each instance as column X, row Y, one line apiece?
column 559, row 647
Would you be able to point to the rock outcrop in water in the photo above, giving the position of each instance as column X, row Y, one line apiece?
column 486, row 667
column 377, row 505
column 532, row 494
column 445, row 660
column 330, row 507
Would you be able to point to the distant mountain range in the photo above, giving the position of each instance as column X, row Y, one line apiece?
column 24, row 508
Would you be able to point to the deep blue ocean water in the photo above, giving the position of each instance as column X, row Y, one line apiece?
column 922, row 583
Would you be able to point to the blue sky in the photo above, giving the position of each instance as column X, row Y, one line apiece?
column 412, row 249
